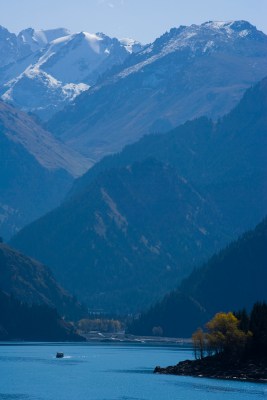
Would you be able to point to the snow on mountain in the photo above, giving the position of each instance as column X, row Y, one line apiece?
column 39, row 39
column 34, row 41
column 79, row 57
column 131, row 45
column 59, row 67
column 188, row 72
column 198, row 39
column 36, row 91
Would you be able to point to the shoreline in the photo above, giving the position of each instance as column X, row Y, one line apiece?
column 113, row 338
column 127, row 338
column 219, row 368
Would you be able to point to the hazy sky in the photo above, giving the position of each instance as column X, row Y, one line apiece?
column 143, row 20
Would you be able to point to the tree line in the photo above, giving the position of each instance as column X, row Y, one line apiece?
column 238, row 334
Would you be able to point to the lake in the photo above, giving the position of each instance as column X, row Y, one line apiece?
column 107, row 372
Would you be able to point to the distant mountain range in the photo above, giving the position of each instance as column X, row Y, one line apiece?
column 186, row 73
column 137, row 222
column 42, row 71
column 36, row 170
column 232, row 280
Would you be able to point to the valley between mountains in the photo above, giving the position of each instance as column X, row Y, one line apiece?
column 132, row 173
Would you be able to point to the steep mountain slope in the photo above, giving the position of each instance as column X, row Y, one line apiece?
column 37, row 92
column 21, row 51
column 36, row 170
column 230, row 281
column 81, row 57
column 186, row 73
column 19, row 321
column 31, row 282
column 38, row 39
column 35, row 42
column 226, row 160
column 59, row 67
column 11, row 48
column 125, row 237
column 130, row 230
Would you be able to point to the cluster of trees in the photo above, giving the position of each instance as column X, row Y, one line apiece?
column 234, row 334
column 100, row 325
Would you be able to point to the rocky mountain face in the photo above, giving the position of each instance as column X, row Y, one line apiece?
column 36, row 170
column 31, row 282
column 230, row 281
column 38, row 39
column 11, row 48
column 57, row 67
column 138, row 221
column 186, row 73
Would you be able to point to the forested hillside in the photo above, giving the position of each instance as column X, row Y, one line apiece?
column 231, row 280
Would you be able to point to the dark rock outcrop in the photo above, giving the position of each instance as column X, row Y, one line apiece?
column 219, row 368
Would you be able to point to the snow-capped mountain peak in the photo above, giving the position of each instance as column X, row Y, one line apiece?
column 59, row 66
column 73, row 58
column 131, row 45
column 36, row 90
column 194, row 40
column 38, row 39
column 231, row 28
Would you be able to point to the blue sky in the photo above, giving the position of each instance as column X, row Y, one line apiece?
column 143, row 20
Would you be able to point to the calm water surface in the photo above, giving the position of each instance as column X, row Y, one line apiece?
column 107, row 372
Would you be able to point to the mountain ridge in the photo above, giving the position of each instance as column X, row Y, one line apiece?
column 164, row 85
column 37, row 170
column 31, row 282
column 58, row 67
column 142, row 219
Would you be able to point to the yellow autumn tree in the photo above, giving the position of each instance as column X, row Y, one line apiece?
column 198, row 339
column 224, row 335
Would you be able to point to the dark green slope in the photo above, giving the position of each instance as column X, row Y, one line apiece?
column 182, row 147
column 31, row 282
column 27, row 189
column 225, row 160
column 233, row 279
column 36, row 170
column 19, row 321
column 132, row 235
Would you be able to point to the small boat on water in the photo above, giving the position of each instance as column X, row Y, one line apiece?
column 59, row 355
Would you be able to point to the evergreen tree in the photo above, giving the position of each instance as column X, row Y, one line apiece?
column 258, row 326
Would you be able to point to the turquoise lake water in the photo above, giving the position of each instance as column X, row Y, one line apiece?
column 108, row 372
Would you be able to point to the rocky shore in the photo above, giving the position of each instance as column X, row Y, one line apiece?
column 219, row 368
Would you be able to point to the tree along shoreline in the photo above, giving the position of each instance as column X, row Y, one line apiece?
column 233, row 347
column 219, row 367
